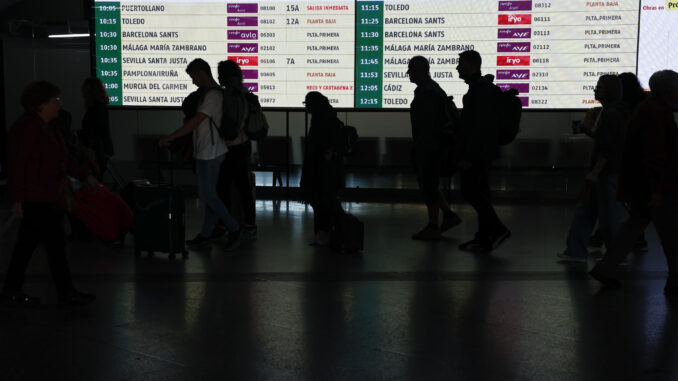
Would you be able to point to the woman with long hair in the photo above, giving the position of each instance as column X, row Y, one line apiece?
column 96, row 133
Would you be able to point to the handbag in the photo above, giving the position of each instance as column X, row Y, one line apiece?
column 65, row 200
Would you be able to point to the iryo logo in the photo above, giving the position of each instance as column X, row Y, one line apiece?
column 245, row 60
column 513, row 61
column 515, row 19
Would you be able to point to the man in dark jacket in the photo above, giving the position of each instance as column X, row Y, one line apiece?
column 648, row 180
column 479, row 147
column 428, row 116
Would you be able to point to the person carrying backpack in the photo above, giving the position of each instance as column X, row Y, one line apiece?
column 428, row 116
column 235, row 167
column 480, row 136
column 322, row 173
column 209, row 150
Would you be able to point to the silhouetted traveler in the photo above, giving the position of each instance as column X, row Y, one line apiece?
column 235, row 168
column 632, row 92
column 599, row 200
column 38, row 165
column 428, row 115
column 648, row 180
column 479, row 146
column 208, row 151
column 632, row 95
column 322, row 174
column 96, row 132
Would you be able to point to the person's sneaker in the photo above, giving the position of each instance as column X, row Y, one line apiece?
column 75, row 299
column 640, row 246
column 234, row 239
column 477, row 244
column 595, row 243
column 604, row 279
column 198, row 241
column 429, row 233
column 321, row 239
column 498, row 239
column 450, row 220
column 18, row 300
column 218, row 232
column 249, row 233
column 563, row 257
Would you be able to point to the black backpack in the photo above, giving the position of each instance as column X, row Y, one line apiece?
column 348, row 139
column 510, row 112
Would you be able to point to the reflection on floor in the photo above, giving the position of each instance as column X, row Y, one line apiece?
column 278, row 309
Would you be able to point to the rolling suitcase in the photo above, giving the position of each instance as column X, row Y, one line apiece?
column 160, row 220
column 348, row 234
column 104, row 213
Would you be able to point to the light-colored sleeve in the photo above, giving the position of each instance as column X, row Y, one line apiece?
column 211, row 104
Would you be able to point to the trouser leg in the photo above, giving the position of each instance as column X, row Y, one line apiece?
column 665, row 219
column 623, row 240
column 55, row 248
column 582, row 224
column 26, row 243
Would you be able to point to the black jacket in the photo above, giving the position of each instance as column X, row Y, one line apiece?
column 427, row 115
column 96, row 133
column 479, row 132
column 319, row 175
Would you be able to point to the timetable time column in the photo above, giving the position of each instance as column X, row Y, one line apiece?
column 369, row 54
column 108, row 49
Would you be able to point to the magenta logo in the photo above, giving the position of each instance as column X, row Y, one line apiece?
column 242, row 21
column 514, row 33
column 511, row 6
column 517, row 47
column 253, row 87
column 242, row 8
column 525, row 101
column 503, row 75
column 522, row 88
column 243, row 34
column 243, row 48
column 250, row 74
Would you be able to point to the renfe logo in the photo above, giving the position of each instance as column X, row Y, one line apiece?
column 513, row 47
column 513, row 61
column 242, row 21
column 243, row 34
column 245, row 60
column 521, row 19
column 512, row 74
column 522, row 88
column 242, row 8
column 512, row 6
column 514, row 33
column 253, row 87
column 243, row 48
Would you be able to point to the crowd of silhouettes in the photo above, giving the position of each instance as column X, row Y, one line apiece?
column 631, row 180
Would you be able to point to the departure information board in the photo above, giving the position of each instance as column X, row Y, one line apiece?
column 356, row 52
